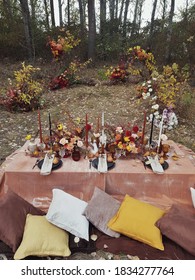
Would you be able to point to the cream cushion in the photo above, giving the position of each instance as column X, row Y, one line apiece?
column 66, row 212
column 41, row 238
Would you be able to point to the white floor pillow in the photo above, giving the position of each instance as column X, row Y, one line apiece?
column 66, row 211
column 193, row 196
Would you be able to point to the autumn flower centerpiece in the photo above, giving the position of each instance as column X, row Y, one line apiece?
column 127, row 141
column 65, row 141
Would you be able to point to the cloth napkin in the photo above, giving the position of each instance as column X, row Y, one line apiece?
column 47, row 165
column 102, row 163
column 155, row 165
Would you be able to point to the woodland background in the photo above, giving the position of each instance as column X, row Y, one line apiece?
column 106, row 29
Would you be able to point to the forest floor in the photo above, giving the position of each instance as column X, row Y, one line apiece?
column 119, row 102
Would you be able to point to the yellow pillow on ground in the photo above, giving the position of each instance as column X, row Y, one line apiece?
column 41, row 238
column 136, row 219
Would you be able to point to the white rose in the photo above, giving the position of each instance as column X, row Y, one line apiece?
column 80, row 143
column 119, row 129
column 155, row 107
column 63, row 141
column 96, row 135
column 164, row 137
column 134, row 135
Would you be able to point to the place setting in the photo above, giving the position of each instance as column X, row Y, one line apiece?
column 101, row 144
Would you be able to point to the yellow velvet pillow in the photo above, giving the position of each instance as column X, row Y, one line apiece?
column 41, row 238
column 136, row 219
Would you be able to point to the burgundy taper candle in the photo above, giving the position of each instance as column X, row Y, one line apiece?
column 144, row 127
column 40, row 128
column 86, row 130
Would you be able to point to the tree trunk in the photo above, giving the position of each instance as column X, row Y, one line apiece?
column 186, row 11
column 116, row 9
column 140, row 14
column 52, row 13
column 164, row 9
column 8, row 11
column 125, row 18
column 32, row 8
column 27, row 28
column 60, row 12
column 92, row 30
column 68, row 11
column 169, row 33
column 46, row 14
column 82, row 20
column 111, row 8
column 135, row 16
column 102, row 16
column 152, row 23
column 112, row 23
column 121, row 12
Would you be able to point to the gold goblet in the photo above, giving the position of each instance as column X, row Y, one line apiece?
column 165, row 150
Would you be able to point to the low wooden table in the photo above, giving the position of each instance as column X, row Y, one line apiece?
column 128, row 177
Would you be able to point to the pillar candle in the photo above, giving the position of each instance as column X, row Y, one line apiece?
column 40, row 128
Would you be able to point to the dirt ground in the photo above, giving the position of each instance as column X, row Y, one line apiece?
column 119, row 102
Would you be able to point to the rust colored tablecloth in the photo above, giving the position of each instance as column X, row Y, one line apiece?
column 128, row 177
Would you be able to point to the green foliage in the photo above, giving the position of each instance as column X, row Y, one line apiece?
column 186, row 99
column 185, row 103
column 170, row 82
column 24, row 93
column 110, row 42
column 102, row 74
